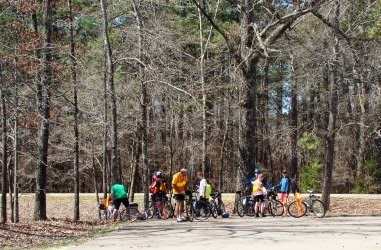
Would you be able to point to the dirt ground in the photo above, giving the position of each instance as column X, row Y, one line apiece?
column 61, row 228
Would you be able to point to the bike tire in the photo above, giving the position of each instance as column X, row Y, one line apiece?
column 132, row 215
column 200, row 214
column 221, row 208
column 150, row 210
column 296, row 212
column 241, row 208
column 213, row 209
column 275, row 208
column 165, row 210
column 250, row 210
column 190, row 211
column 318, row 208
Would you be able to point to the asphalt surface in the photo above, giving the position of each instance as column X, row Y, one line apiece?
column 357, row 232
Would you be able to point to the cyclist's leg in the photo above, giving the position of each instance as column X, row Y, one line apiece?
column 285, row 203
column 117, row 203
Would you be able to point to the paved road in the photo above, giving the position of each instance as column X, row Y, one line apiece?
column 246, row 233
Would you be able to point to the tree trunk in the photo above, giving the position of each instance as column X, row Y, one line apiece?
column 135, row 155
column 75, row 102
column 4, row 170
column 144, row 103
column 202, row 80
column 115, row 175
column 44, row 97
column 333, row 110
column 377, row 141
column 294, row 122
column 222, row 151
column 16, row 148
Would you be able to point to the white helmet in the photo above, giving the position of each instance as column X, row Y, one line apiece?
column 159, row 174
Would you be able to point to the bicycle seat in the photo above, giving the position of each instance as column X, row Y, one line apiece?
column 310, row 191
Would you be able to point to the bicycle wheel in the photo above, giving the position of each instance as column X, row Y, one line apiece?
column 213, row 209
column 133, row 214
column 150, row 210
column 202, row 211
column 297, row 211
column 165, row 210
column 190, row 211
column 241, row 207
column 221, row 208
column 250, row 208
column 276, row 208
column 318, row 208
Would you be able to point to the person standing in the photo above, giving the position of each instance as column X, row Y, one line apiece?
column 258, row 196
column 179, row 185
column 202, row 186
column 284, row 185
column 118, row 195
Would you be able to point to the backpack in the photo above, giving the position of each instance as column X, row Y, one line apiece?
column 158, row 186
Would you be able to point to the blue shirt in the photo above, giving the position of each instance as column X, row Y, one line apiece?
column 284, row 185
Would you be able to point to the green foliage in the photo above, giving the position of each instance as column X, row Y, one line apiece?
column 367, row 183
column 310, row 175
column 309, row 142
column 87, row 28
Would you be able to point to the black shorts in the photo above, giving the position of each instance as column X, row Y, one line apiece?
column 259, row 198
column 117, row 202
column 179, row 197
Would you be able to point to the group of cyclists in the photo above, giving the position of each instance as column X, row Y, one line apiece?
column 258, row 186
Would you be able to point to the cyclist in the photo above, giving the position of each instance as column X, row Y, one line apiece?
column 201, row 189
column 158, row 187
column 250, row 182
column 284, row 185
column 202, row 186
column 259, row 192
column 179, row 185
column 118, row 196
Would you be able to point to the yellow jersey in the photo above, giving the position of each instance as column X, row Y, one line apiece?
column 179, row 182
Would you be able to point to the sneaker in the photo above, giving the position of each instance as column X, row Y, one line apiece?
column 182, row 218
column 179, row 220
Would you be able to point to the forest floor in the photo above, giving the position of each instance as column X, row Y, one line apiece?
column 60, row 229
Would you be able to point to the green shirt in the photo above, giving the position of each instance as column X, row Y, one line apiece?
column 119, row 191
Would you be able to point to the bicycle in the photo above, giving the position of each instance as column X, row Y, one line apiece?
column 202, row 208
column 130, row 213
column 189, row 205
column 216, row 204
column 310, row 204
column 245, row 205
column 160, row 207
column 275, row 207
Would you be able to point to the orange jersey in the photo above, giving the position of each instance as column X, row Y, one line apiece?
column 179, row 182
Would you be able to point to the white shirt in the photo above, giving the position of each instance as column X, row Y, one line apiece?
column 201, row 190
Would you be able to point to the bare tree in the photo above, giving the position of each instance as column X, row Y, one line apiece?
column 115, row 173
column 333, row 110
column 44, row 105
column 75, row 104
column 4, row 153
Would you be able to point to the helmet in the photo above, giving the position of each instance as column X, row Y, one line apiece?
column 225, row 215
column 257, row 170
column 159, row 174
